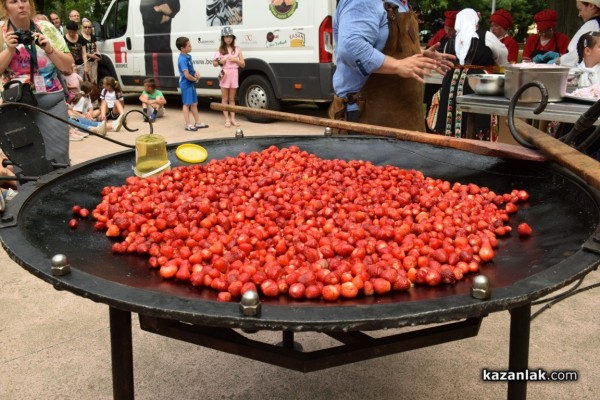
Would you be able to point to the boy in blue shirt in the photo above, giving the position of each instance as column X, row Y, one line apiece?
column 188, row 77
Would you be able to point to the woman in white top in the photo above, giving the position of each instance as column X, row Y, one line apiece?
column 589, row 12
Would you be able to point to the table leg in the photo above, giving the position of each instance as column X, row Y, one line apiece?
column 518, row 353
column 121, row 354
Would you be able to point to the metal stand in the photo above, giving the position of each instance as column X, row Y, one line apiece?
column 357, row 346
column 121, row 354
column 518, row 352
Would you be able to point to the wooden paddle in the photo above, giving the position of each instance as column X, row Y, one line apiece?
column 500, row 150
column 580, row 164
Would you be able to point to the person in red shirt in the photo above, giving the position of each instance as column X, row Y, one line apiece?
column 547, row 45
column 500, row 22
column 445, row 33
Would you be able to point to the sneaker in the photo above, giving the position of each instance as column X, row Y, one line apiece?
column 191, row 128
column 74, row 137
column 102, row 128
column 118, row 123
column 9, row 194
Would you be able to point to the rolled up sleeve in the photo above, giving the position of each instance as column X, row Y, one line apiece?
column 358, row 35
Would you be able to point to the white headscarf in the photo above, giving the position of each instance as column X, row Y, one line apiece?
column 466, row 29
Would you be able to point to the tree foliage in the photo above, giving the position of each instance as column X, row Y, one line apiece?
column 91, row 9
column 521, row 10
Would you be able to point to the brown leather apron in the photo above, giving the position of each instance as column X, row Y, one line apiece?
column 390, row 100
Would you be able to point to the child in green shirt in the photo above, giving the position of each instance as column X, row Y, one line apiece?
column 153, row 101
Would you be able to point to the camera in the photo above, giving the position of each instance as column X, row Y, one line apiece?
column 26, row 38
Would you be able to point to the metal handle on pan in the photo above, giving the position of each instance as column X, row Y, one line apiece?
column 513, row 103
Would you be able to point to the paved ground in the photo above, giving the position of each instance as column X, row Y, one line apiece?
column 55, row 345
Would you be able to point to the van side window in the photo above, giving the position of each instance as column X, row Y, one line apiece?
column 116, row 21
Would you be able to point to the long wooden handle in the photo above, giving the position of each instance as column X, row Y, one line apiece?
column 580, row 164
column 500, row 150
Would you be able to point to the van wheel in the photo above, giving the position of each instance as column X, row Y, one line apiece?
column 256, row 92
column 102, row 73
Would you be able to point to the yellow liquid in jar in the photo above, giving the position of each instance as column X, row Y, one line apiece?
column 149, row 165
column 151, row 154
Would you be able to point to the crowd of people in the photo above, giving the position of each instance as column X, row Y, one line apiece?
column 378, row 55
column 58, row 63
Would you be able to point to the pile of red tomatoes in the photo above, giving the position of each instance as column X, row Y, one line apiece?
column 283, row 221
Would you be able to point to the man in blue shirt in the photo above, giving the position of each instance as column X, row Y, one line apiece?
column 380, row 69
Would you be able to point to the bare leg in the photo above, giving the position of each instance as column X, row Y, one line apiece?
column 186, row 114
column 103, row 110
column 225, row 100
column 119, row 107
column 194, row 108
column 232, row 102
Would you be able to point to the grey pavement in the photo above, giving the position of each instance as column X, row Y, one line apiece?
column 56, row 345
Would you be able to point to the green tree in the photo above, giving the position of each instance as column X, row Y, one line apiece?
column 91, row 9
column 521, row 10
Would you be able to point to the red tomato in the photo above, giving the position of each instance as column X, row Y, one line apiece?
column 348, row 290
column 331, row 292
column 297, row 290
column 486, row 253
column 524, row 229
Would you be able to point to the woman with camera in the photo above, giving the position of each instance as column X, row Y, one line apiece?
column 32, row 53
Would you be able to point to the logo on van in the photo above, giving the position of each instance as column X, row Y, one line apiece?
column 283, row 9
column 274, row 41
column 297, row 39
column 120, row 53
column 200, row 41
column 249, row 39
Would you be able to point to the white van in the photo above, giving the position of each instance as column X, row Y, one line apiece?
column 287, row 46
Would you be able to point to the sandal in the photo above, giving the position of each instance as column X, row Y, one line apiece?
column 227, row 124
column 235, row 123
column 200, row 125
column 191, row 128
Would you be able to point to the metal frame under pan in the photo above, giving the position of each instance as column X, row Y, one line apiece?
column 562, row 250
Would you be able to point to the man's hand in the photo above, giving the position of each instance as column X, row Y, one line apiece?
column 445, row 61
column 417, row 67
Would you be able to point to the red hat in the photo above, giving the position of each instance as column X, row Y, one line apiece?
column 545, row 19
column 450, row 18
column 502, row 18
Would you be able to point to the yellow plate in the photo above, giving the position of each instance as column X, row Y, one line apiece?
column 191, row 153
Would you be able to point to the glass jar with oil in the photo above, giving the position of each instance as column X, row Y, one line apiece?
column 150, row 155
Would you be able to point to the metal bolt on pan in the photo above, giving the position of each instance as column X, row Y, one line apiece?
column 60, row 265
column 250, row 304
column 239, row 133
column 481, row 288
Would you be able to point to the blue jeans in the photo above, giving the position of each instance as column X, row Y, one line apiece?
column 84, row 122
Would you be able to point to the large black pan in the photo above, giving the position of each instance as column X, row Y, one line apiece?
column 562, row 210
